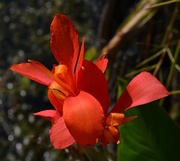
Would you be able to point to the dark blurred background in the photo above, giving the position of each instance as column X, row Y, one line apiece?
column 24, row 34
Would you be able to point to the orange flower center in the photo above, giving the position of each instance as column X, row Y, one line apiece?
column 115, row 119
column 110, row 132
column 63, row 84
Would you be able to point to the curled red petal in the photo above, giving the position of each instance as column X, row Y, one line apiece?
column 59, row 134
column 115, row 119
column 64, row 41
column 102, row 63
column 34, row 71
column 47, row 114
column 80, row 59
column 93, row 81
column 143, row 88
column 84, row 118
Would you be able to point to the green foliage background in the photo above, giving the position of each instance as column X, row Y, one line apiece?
column 152, row 44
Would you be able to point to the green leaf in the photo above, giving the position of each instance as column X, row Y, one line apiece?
column 91, row 53
column 152, row 136
column 122, row 83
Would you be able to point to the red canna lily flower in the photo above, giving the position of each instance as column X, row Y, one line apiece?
column 78, row 90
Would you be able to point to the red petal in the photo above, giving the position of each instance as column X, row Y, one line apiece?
column 59, row 134
column 47, row 114
column 42, row 67
column 102, row 63
column 80, row 59
column 55, row 102
column 83, row 116
column 64, row 41
column 143, row 88
column 34, row 71
column 93, row 81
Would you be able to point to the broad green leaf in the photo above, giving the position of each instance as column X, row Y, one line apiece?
column 152, row 136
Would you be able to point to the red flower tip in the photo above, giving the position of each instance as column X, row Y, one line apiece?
column 64, row 41
column 142, row 89
column 34, row 71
